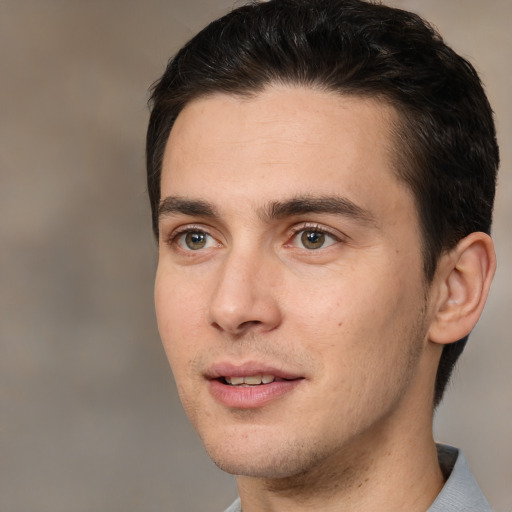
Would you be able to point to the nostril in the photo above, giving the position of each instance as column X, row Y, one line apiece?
column 240, row 328
column 236, row 313
column 249, row 323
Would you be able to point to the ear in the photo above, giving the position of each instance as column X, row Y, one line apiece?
column 462, row 283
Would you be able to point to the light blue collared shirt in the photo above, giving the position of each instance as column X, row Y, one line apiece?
column 461, row 492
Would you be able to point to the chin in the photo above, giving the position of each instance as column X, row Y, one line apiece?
column 264, row 467
column 243, row 455
column 269, row 458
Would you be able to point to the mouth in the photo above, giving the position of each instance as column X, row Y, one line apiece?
column 250, row 385
column 251, row 380
column 249, row 374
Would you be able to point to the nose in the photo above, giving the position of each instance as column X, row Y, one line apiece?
column 245, row 298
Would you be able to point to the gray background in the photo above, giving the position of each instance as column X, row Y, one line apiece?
column 90, row 420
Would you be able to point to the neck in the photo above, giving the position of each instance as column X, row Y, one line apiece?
column 403, row 482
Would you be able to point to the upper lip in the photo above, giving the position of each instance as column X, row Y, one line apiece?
column 247, row 369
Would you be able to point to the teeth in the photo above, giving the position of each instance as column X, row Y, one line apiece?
column 253, row 380
column 250, row 380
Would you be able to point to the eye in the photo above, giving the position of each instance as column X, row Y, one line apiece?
column 195, row 240
column 312, row 239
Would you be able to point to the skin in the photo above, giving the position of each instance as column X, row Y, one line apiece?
column 353, row 317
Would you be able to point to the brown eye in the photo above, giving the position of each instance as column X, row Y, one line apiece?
column 195, row 240
column 312, row 239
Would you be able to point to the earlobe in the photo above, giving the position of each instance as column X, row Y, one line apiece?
column 462, row 280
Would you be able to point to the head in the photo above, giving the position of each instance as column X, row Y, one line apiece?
column 445, row 147
column 443, row 137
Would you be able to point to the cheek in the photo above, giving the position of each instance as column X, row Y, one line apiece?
column 339, row 301
column 177, row 317
column 362, row 314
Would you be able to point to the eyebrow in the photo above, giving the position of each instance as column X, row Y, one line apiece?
column 334, row 205
column 294, row 207
column 192, row 207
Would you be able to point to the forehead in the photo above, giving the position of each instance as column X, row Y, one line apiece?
column 284, row 140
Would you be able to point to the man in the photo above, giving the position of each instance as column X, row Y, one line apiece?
column 321, row 175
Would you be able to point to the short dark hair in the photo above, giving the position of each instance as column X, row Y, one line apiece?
column 445, row 140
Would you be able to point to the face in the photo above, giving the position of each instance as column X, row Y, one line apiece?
column 290, row 294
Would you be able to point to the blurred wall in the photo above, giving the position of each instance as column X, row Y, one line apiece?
column 90, row 420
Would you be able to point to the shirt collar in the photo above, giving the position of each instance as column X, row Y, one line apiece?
column 461, row 492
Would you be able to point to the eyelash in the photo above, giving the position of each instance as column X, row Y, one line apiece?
column 315, row 228
column 173, row 239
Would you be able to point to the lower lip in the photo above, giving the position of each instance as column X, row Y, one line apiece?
column 250, row 397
